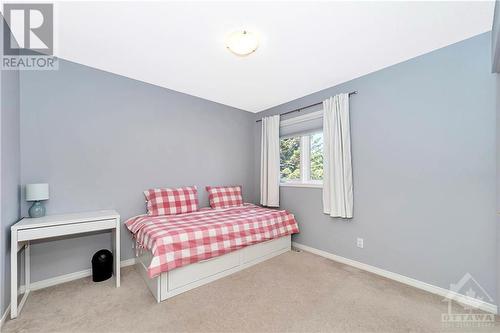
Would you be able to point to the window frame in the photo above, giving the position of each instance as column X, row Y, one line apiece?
column 305, row 163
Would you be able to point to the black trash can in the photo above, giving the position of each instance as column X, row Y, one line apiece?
column 102, row 265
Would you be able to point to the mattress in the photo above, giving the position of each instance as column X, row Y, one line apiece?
column 179, row 240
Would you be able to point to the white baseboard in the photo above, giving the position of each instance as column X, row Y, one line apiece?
column 446, row 293
column 67, row 277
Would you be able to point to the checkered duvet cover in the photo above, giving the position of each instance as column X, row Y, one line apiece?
column 179, row 240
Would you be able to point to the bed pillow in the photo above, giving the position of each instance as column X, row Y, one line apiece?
column 172, row 201
column 224, row 196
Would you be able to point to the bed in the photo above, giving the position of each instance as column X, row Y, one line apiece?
column 180, row 252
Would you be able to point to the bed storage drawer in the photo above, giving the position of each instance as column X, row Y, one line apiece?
column 260, row 250
column 191, row 273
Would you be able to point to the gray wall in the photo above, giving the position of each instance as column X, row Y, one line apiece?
column 495, row 42
column 423, row 149
column 498, row 184
column 9, row 170
column 100, row 139
column 495, row 39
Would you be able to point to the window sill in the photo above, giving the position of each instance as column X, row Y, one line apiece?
column 310, row 185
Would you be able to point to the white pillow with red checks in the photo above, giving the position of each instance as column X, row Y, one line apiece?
column 224, row 196
column 172, row 201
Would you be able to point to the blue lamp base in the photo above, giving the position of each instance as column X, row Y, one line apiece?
column 37, row 209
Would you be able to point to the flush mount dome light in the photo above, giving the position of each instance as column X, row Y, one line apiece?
column 242, row 42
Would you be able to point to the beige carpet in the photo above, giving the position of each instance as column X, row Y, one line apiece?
column 295, row 292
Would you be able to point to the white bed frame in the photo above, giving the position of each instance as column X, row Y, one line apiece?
column 188, row 277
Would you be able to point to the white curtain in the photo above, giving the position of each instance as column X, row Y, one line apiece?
column 337, row 167
column 270, row 162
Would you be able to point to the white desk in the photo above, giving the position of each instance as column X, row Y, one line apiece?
column 29, row 229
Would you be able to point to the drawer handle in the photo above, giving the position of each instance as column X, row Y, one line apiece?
column 205, row 260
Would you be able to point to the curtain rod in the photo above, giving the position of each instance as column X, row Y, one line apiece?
column 305, row 107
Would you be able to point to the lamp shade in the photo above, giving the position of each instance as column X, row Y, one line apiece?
column 242, row 42
column 37, row 192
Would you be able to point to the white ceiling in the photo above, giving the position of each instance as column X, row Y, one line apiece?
column 305, row 46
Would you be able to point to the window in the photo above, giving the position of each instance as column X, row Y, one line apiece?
column 290, row 159
column 301, row 160
column 316, row 156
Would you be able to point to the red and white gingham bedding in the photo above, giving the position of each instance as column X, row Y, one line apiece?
column 172, row 201
column 224, row 196
column 179, row 240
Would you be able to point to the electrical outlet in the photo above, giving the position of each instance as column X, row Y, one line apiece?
column 359, row 242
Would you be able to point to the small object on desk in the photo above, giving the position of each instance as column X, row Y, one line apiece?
column 37, row 193
column 102, row 265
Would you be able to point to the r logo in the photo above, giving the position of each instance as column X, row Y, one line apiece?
column 32, row 28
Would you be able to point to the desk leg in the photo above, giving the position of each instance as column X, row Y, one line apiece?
column 27, row 273
column 13, row 275
column 26, row 277
column 116, row 252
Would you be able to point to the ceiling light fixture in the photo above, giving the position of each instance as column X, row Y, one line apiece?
column 242, row 42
